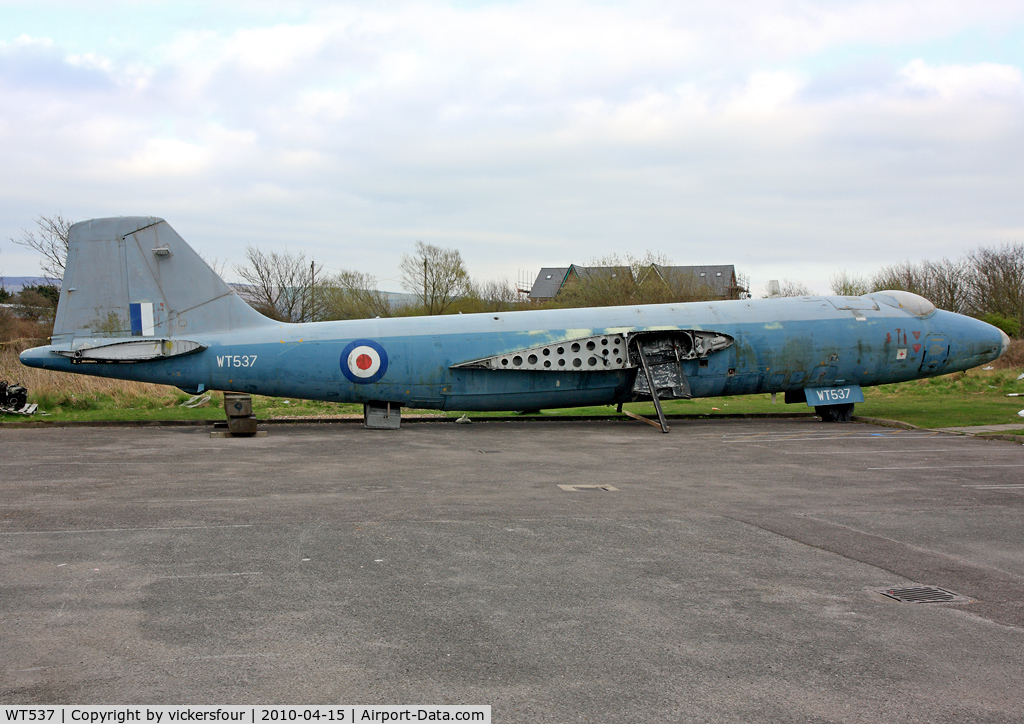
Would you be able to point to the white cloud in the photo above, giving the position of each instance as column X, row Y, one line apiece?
column 91, row 61
column 27, row 41
column 765, row 94
column 968, row 82
column 165, row 156
column 715, row 134
column 269, row 50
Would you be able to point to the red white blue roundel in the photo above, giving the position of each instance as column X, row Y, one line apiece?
column 363, row 361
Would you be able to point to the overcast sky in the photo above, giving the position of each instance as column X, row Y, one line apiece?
column 792, row 139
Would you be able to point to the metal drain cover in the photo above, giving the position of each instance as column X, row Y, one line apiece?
column 922, row 594
column 582, row 488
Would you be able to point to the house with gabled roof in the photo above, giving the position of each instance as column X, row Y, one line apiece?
column 720, row 279
column 549, row 282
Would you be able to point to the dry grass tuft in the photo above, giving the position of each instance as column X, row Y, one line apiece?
column 1014, row 357
column 58, row 386
column 13, row 327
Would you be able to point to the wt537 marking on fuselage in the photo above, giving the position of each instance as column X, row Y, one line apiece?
column 236, row 360
column 138, row 303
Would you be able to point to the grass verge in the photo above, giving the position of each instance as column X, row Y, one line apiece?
column 975, row 397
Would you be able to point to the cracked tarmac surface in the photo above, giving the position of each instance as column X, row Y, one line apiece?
column 729, row 577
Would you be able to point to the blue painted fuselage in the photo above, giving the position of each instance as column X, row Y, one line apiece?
column 778, row 345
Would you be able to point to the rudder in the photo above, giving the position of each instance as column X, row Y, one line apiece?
column 134, row 276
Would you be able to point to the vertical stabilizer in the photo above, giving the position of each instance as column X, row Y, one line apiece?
column 133, row 276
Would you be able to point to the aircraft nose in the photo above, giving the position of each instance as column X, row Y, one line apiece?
column 1006, row 343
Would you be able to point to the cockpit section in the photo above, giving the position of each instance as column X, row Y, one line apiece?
column 908, row 301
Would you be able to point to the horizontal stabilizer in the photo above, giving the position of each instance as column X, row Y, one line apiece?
column 128, row 350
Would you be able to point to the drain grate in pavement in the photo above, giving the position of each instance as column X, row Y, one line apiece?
column 584, row 488
column 923, row 594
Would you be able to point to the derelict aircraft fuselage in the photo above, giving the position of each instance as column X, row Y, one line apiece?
column 138, row 303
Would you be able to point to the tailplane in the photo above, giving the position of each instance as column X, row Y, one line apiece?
column 133, row 278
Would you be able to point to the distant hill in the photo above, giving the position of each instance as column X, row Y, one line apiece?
column 15, row 284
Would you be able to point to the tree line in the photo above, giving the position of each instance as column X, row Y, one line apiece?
column 285, row 285
column 30, row 312
column 988, row 283
column 288, row 287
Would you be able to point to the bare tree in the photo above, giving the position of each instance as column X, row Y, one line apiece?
column 988, row 283
column 905, row 276
column 949, row 284
column 492, row 296
column 998, row 282
column 281, row 285
column 218, row 265
column 353, row 295
column 845, row 284
column 787, row 288
column 50, row 239
column 436, row 274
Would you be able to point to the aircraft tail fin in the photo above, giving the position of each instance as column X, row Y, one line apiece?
column 133, row 276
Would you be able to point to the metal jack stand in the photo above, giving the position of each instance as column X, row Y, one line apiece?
column 654, row 393
column 382, row 416
column 241, row 422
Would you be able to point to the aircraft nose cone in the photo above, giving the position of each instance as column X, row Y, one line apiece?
column 1006, row 343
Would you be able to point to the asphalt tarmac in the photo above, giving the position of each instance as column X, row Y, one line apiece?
column 726, row 572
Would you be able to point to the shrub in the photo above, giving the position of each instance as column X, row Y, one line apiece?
column 1007, row 324
column 1014, row 357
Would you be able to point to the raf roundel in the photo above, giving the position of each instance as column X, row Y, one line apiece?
column 363, row 361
